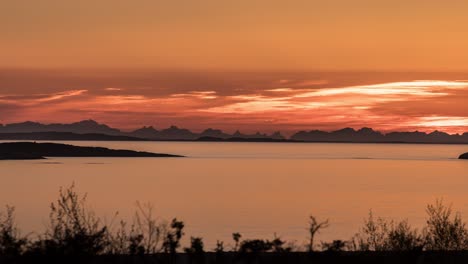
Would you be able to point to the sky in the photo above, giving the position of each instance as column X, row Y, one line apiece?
column 252, row 65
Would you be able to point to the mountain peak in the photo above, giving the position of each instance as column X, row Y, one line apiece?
column 346, row 130
column 438, row 133
column 366, row 129
column 146, row 128
column 89, row 123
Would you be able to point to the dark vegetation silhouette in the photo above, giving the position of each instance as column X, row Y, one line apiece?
column 75, row 230
column 196, row 246
column 219, row 247
column 314, row 228
column 236, row 237
column 173, row 236
column 11, row 241
column 335, row 245
column 381, row 235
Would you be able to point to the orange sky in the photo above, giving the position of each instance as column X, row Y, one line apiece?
column 245, row 34
column 254, row 65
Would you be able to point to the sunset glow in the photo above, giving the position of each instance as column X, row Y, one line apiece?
column 412, row 105
column 250, row 65
column 252, row 131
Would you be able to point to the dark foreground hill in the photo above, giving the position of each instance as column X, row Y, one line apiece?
column 464, row 156
column 32, row 150
column 406, row 257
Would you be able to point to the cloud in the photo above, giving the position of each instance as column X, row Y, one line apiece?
column 346, row 104
column 425, row 105
column 62, row 95
column 280, row 90
column 198, row 94
column 113, row 89
column 358, row 97
column 40, row 98
column 443, row 121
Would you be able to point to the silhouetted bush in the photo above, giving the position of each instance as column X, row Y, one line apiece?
column 173, row 236
column 124, row 242
column 381, row 235
column 73, row 229
column 335, row 245
column 147, row 232
column 260, row 245
column 196, row 246
column 402, row 237
column 219, row 247
column 445, row 231
column 373, row 235
column 145, row 236
column 279, row 245
column 255, row 246
column 236, row 237
column 11, row 242
column 76, row 230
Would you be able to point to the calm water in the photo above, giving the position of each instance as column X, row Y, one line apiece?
column 253, row 188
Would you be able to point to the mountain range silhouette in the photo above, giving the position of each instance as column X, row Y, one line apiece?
column 92, row 130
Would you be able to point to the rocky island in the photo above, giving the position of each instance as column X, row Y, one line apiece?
column 33, row 150
column 463, row 156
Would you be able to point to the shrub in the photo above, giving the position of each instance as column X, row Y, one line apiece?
column 11, row 242
column 373, row 235
column 236, row 237
column 147, row 232
column 173, row 236
column 124, row 242
column 279, row 245
column 445, row 231
column 73, row 229
column 335, row 245
column 219, row 246
column 381, row 235
column 196, row 246
column 255, row 246
column 402, row 237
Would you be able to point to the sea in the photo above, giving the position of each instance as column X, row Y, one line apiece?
column 261, row 190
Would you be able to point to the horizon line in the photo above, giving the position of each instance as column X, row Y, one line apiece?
column 356, row 129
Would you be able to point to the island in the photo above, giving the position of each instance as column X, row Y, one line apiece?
column 463, row 156
column 33, row 150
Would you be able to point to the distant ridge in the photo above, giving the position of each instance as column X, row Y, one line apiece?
column 92, row 130
column 66, row 136
column 368, row 135
column 82, row 127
